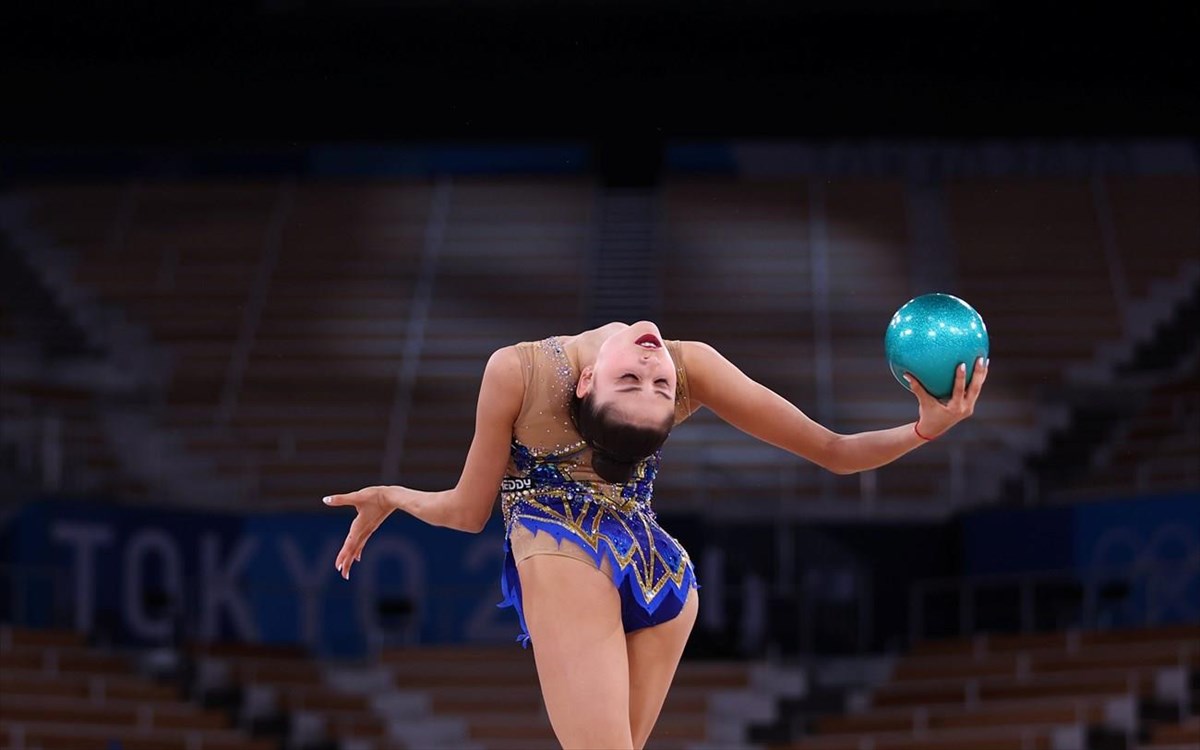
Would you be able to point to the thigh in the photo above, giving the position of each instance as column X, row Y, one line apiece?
column 653, row 656
column 573, row 614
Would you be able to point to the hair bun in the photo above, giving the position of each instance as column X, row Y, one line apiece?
column 610, row 468
column 624, row 445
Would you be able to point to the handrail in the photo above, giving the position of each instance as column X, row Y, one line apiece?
column 822, row 327
column 36, row 434
column 972, row 452
column 414, row 334
column 252, row 316
column 1090, row 580
column 123, row 221
column 1108, row 242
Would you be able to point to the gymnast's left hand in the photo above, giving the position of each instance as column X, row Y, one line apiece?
column 373, row 506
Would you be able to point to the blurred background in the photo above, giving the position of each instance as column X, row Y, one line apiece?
column 255, row 253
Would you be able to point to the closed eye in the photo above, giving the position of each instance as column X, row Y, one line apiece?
column 662, row 385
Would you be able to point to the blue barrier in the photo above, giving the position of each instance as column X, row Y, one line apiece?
column 137, row 572
column 1154, row 541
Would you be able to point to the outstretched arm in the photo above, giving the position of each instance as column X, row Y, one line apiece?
column 753, row 408
column 468, row 506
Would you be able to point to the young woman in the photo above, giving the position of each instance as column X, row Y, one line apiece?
column 568, row 429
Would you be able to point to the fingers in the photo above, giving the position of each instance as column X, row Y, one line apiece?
column 369, row 517
column 345, row 556
column 351, row 498
column 334, row 500
column 938, row 416
column 352, row 548
column 350, row 553
column 981, row 371
column 960, row 382
column 918, row 389
column 344, row 560
column 962, row 405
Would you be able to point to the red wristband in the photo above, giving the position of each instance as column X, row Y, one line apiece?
column 926, row 439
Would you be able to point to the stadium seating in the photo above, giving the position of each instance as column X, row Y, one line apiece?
column 1155, row 225
column 34, row 412
column 745, row 275
column 59, row 694
column 1179, row 736
column 1157, row 451
column 284, row 310
column 458, row 696
column 296, row 399
column 285, row 686
column 1019, row 691
column 494, row 693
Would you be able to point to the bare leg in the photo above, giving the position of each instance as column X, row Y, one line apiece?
column 573, row 613
column 653, row 656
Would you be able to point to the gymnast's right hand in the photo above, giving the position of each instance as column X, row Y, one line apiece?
column 374, row 505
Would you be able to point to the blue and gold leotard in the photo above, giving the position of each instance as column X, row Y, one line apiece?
column 551, row 493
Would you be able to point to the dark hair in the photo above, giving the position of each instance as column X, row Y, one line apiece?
column 617, row 446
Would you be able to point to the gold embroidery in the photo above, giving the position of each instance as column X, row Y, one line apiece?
column 639, row 561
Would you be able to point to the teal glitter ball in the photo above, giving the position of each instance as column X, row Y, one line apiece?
column 929, row 336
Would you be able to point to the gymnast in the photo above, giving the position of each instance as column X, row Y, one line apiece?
column 568, row 431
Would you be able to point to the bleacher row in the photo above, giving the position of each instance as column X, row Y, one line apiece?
column 1056, row 691
column 1133, row 690
column 1160, row 446
column 311, row 409
column 57, row 693
column 33, row 414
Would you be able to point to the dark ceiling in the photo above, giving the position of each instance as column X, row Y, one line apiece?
column 296, row 71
